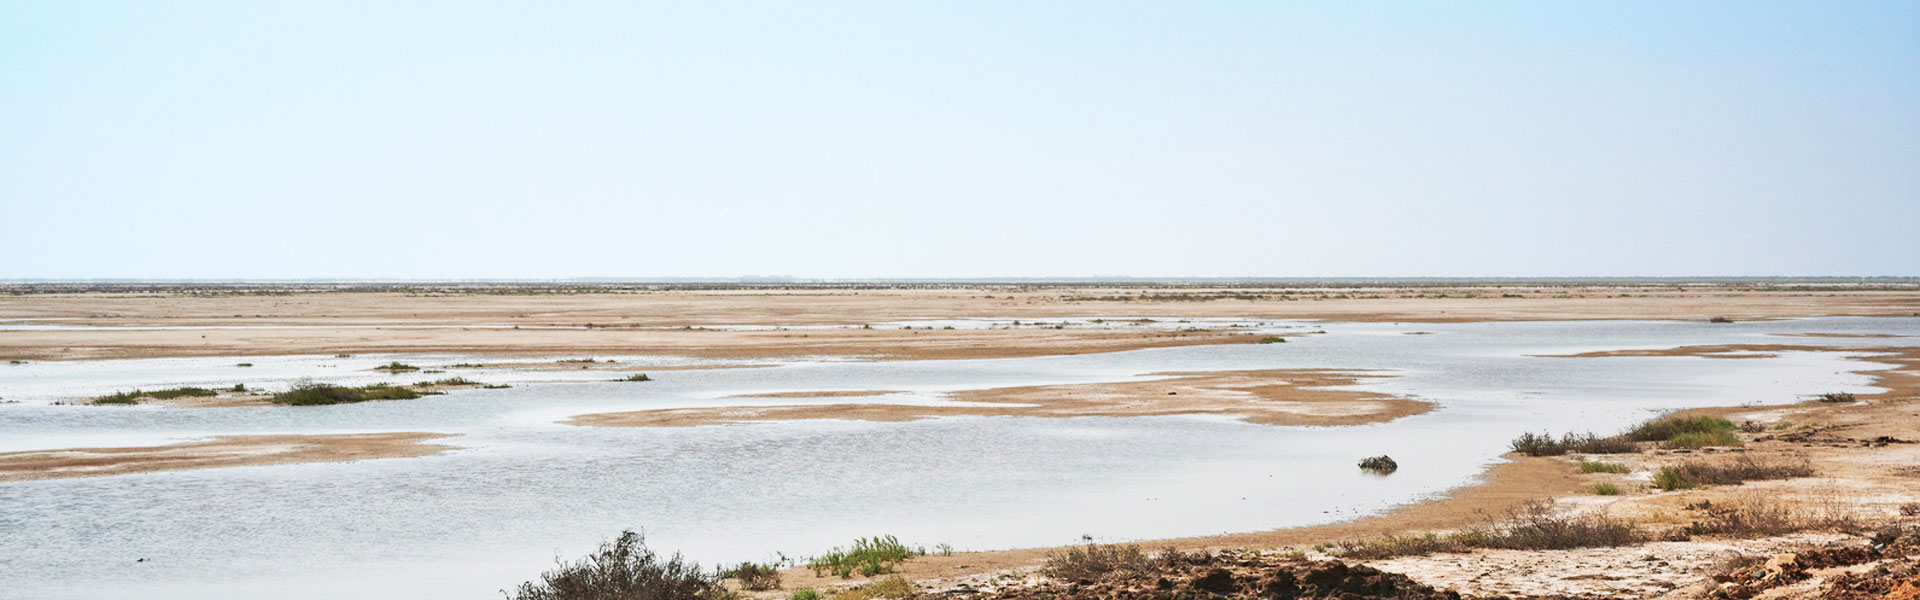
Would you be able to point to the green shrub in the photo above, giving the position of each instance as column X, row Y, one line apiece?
column 319, row 394
column 1093, row 561
column 1606, row 489
column 1273, row 339
column 1543, row 444
column 1588, row 466
column 1665, row 428
column 624, row 569
column 1701, row 439
column 396, row 367
column 805, row 594
column 867, row 556
column 636, row 377
column 1670, row 479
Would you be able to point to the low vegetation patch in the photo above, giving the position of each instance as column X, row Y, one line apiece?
column 1381, row 464
column 1534, row 526
column 636, row 377
column 397, row 367
column 1589, row 466
column 318, row 394
column 452, row 381
column 1702, row 439
column 1273, row 339
column 1606, row 489
column 134, row 396
column 624, row 569
column 1837, row 397
column 1743, row 468
column 867, row 556
column 1759, row 515
column 1670, row 479
column 1095, row 561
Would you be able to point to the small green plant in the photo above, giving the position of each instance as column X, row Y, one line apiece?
column 1380, row 465
column 1588, row 466
column 867, row 556
column 1606, row 489
column 397, row 367
column 1670, row 479
column 636, row 377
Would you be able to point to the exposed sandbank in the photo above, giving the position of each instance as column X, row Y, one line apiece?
column 223, row 451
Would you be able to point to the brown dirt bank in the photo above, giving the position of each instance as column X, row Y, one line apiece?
column 635, row 322
column 1270, row 397
column 223, row 451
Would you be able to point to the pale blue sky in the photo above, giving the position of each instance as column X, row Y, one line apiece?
column 901, row 139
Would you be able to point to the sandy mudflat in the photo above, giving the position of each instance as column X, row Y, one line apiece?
column 1270, row 397
column 223, row 451
column 651, row 322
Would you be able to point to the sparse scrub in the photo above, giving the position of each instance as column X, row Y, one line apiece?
column 636, row 377
column 1719, row 320
column 1910, row 509
column 1606, row 489
column 397, row 367
column 1273, row 339
column 805, row 594
column 1743, row 468
column 451, row 381
column 891, row 588
column 1534, row 526
column 1759, row 515
column 1837, row 397
column 624, row 569
column 1589, row 466
column 754, row 577
column 1379, row 465
column 1094, row 561
column 867, row 556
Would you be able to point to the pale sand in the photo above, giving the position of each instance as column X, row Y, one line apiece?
column 224, row 451
column 625, row 321
column 1271, row 397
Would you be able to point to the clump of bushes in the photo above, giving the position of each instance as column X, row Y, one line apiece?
column 318, row 394
column 754, row 577
column 636, row 377
column 805, row 594
column 1606, row 489
column 867, row 556
column 1093, row 561
column 134, row 396
column 1755, row 514
column 1701, row 439
column 624, row 569
column 397, row 367
column 1381, row 464
column 1670, row 479
column 1544, row 444
column 1719, row 320
column 1273, row 339
column 1837, row 397
column 448, row 382
column 1533, row 526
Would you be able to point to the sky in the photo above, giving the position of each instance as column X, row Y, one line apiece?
column 477, row 139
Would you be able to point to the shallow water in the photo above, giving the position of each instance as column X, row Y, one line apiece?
column 522, row 487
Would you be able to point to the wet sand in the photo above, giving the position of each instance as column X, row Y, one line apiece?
column 1269, row 397
column 223, row 451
